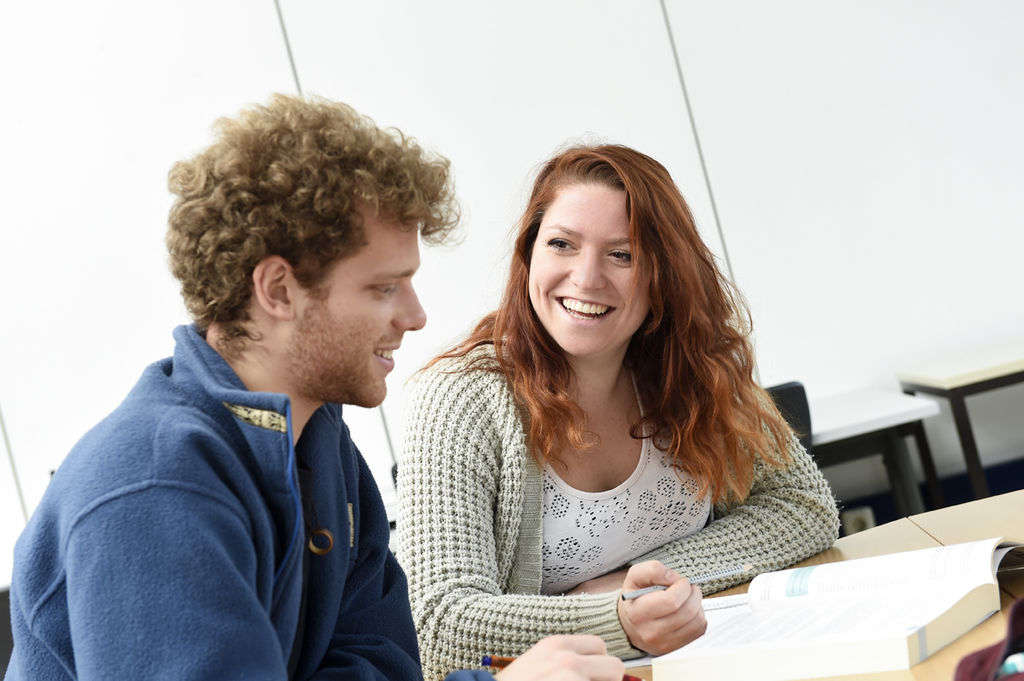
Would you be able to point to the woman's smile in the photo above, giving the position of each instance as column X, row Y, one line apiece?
column 586, row 284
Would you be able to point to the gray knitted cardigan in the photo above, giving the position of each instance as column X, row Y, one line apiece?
column 470, row 525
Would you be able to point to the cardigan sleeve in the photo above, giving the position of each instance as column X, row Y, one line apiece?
column 461, row 498
column 790, row 514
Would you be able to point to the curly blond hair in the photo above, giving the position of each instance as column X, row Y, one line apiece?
column 286, row 179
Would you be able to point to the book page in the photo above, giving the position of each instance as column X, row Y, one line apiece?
column 723, row 608
column 1008, row 558
column 806, row 622
column 725, row 602
column 717, row 609
column 917, row 571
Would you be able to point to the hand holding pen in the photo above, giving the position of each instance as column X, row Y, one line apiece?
column 561, row 658
column 667, row 617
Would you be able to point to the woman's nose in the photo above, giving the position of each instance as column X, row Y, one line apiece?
column 587, row 273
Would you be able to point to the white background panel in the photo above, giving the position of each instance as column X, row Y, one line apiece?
column 101, row 99
column 866, row 159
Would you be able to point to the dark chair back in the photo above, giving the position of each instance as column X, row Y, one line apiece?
column 791, row 401
column 6, row 639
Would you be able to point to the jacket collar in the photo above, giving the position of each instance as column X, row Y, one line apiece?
column 199, row 370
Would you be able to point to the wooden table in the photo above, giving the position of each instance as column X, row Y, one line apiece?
column 999, row 516
column 956, row 379
column 991, row 517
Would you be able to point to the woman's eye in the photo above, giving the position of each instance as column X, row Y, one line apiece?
column 622, row 256
column 558, row 244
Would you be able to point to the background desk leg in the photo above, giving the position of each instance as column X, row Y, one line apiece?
column 975, row 471
column 901, row 475
column 931, row 476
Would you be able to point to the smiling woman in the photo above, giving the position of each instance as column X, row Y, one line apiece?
column 601, row 430
column 583, row 285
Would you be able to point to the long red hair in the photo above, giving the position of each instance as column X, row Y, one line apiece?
column 691, row 357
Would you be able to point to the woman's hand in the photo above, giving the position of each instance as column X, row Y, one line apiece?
column 565, row 658
column 661, row 621
column 600, row 585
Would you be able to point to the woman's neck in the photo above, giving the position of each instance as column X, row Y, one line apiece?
column 602, row 384
column 608, row 399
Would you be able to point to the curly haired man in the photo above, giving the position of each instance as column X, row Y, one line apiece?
column 220, row 523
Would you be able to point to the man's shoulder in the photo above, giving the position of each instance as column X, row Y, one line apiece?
column 167, row 428
column 136, row 442
column 181, row 426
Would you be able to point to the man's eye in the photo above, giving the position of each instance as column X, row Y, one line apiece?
column 388, row 289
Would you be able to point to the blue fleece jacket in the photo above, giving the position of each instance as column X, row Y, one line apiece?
column 169, row 544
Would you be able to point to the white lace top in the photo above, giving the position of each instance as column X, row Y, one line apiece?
column 587, row 534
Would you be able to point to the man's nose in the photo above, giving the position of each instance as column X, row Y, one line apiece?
column 412, row 318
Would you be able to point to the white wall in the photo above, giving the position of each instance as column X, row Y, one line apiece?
column 865, row 159
column 100, row 99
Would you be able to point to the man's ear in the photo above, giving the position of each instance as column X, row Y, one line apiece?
column 275, row 289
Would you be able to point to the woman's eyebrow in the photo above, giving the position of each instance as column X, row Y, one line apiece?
column 623, row 241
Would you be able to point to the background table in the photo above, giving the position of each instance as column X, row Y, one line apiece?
column 851, row 425
column 956, row 379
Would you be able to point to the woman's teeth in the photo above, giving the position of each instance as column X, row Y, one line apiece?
column 386, row 354
column 579, row 308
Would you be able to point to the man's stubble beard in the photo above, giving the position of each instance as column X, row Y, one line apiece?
column 331, row 361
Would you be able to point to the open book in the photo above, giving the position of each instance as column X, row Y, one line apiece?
column 864, row 615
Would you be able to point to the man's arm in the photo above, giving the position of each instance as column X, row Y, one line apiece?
column 163, row 583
